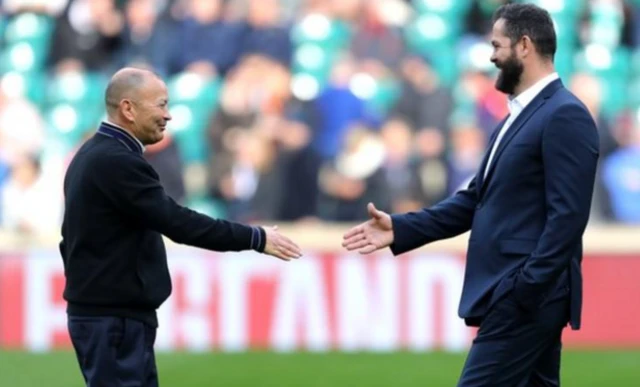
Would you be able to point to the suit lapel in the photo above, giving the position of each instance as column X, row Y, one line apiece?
column 518, row 124
column 483, row 164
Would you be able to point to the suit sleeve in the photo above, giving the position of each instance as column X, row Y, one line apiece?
column 134, row 187
column 453, row 216
column 569, row 154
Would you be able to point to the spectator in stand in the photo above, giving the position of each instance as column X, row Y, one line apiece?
column 339, row 108
column 149, row 40
column 400, row 168
column 264, row 34
column 87, row 36
column 621, row 174
column 354, row 178
column 374, row 38
column 164, row 157
column 467, row 150
column 589, row 90
column 27, row 200
column 298, row 165
column 424, row 103
column 51, row 7
column 22, row 131
column 209, row 42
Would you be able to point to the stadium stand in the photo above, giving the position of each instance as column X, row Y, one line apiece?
column 300, row 109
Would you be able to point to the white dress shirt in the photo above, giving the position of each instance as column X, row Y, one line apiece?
column 516, row 106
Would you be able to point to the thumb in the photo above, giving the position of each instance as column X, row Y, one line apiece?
column 373, row 212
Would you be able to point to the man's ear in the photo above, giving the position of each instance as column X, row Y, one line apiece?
column 126, row 107
column 526, row 45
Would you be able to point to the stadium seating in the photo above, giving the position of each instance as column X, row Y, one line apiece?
column 72, row 103
column 26, row 38
column 193, row 101
column 318, row 42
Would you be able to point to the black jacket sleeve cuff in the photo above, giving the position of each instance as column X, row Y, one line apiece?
column 258, row 239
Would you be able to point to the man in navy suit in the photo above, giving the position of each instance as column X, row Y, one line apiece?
column 527, row 208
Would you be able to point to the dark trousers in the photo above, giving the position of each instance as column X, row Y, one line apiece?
column 514, row 348
column 114, row 351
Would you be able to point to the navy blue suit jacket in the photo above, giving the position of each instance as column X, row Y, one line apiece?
column 527, row 217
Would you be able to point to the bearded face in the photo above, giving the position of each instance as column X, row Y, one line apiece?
column 505, row 57
column 510, row 73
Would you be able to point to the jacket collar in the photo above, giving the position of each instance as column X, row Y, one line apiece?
column 127, row 139
column 517, row 124
column 521, row 101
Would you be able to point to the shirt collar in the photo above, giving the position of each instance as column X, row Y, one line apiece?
column 517, row 104
column 130, row 141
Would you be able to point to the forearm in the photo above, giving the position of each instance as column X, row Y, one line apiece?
column 185, row 226
column 136, row 190
column 192, row 228
column 449, row 218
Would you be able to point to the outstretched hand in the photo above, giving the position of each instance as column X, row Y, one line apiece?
column 280, row 246
column 372, row 235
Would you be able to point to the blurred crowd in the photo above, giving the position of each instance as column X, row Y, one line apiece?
column 299, row 110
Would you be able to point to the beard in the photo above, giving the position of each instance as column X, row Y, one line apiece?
column 510, row 74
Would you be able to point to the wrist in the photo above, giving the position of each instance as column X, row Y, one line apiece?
column 258, row 239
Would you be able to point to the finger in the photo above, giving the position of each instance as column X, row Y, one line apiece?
column 291, row 254
column 287, row 246
column 280, row 254
column 357, row 245
column 282, row 243
column 284, row 257
column 295, row 249
column 290, row 245
column 352, row 241
column 354, row 238
column 368, row 249
column 288, row 250
column 373, row 212
column 353, row 232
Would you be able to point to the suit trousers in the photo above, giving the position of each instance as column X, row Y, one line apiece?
column 114, row 351
column 517, row 348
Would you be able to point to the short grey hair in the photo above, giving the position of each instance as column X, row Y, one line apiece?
column 123, row 83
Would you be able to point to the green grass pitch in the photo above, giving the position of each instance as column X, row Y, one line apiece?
column 59, row 369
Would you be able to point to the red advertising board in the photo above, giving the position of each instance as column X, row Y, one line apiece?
column 240, row 301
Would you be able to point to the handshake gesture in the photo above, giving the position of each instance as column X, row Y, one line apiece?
column 367, row 237
column 280, row 246
column 372, row 235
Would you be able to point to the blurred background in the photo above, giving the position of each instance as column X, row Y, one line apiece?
column 300, row 112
